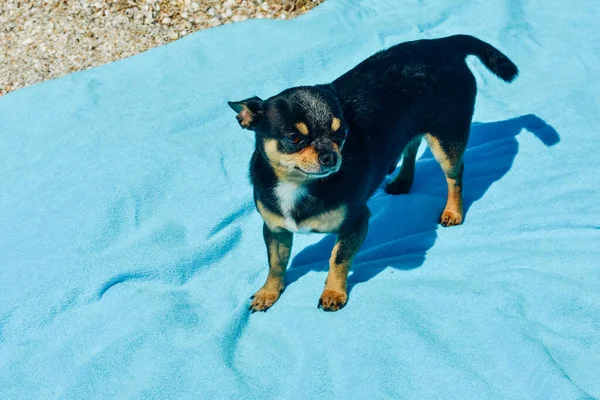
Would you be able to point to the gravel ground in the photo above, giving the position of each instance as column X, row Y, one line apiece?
column 45, row 39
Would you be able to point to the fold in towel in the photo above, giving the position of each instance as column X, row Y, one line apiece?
column 129, row 242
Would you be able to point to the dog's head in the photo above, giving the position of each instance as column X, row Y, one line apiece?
column 301, row 131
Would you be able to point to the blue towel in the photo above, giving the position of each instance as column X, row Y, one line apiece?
column 129, row 243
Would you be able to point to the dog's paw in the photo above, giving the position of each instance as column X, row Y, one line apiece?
column 398, row 187
column 263, row 299
column 332, row 300
column 451, row 218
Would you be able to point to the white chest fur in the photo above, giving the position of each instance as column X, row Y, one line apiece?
column 288, row 196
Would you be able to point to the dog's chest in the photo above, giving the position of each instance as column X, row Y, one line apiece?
column 288, row 196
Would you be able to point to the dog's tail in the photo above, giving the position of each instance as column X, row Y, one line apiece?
column 490, row 56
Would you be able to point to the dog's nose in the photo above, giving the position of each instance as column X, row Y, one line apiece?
column 328, row 159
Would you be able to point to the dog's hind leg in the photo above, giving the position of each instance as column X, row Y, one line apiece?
column 402, row 183
column 449, row 155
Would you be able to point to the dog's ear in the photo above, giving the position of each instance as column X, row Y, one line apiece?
column 250, row 111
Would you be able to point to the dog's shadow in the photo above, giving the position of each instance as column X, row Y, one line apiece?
column 403, row 228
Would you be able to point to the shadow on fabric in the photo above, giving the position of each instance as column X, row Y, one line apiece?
column 403, row 228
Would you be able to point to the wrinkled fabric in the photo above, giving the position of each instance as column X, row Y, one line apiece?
column 130, row 245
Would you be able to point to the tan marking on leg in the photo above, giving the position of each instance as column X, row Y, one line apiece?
column 327, row 222
column 302, row 128
column 335, row 124
column 274, row 221
column 338, row 270
column 453, row 212
column 279, row 255
column 452, row 166
column 278, row 248
column 335, row 294
column 438, row 152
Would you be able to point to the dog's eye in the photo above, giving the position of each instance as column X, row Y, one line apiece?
column 292, row 138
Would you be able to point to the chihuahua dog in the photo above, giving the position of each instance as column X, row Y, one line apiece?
column 322, row 151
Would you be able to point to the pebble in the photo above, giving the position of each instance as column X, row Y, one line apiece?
column 45, row 39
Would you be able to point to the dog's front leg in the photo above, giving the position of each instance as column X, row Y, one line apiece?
column 279, row 245
column 350, row 238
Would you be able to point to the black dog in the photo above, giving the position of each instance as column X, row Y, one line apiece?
column 321, row 151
